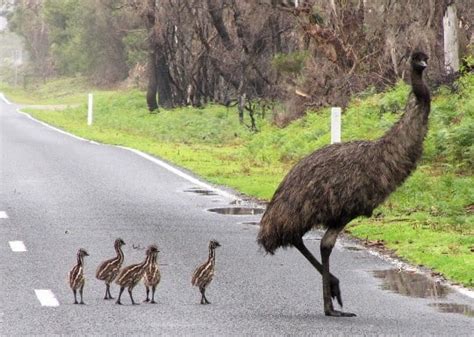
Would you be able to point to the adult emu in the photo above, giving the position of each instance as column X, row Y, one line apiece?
column 340, row 182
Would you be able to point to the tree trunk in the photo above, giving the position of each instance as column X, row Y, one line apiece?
column 150, row 16
column 152, row 82
column 165, row 97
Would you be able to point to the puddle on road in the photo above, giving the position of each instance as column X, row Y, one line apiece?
column 356, row 249
column 237, row 210
column 201, row 191
column 411, row 284
column 251, row 223
column 453, row 308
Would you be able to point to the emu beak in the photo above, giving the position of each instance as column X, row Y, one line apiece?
column 423, row 64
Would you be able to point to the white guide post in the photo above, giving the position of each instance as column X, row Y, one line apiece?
column 89, row 110
column 335, row 125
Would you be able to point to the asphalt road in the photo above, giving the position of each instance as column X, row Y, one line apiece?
column 60, row 193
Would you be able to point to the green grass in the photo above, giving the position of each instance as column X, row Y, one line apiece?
column 427, row 221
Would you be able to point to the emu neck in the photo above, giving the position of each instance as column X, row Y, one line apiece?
column 118, row 250
column 402, row 145
column 212, row 255
column 148, row 260
column 420, row 90
column 80, row 260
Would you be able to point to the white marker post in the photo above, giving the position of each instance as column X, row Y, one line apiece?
column 89, row 110
column 335, row 125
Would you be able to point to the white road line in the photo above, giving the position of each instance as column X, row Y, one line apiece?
column 3, row 98
column 17, row 246
column 146, row 156
column 46, row 298
column 3, row 215
column 180, row 173
column 56, row 129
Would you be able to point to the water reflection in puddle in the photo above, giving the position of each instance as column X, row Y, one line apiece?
column 200, row 191
column 453, row 308
column 237, row 210
column 410, row 284
column 251, row 223
column 352, row 248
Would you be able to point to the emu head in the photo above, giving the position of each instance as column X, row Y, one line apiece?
column 82, row 252
column 213, row 244
column 419, row 61
column 119, row 242
column 153, row 249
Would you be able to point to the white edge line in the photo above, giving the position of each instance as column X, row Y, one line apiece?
column 56, row 129
column 3, row 98
column 180, row 173
column 145, row 156
column 17, row 246
column 46, row 298
column 3, row 215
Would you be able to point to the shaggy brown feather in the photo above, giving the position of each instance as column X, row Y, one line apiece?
column 346, row 180
column 109, row 269
column 203, row 275
column 340, row 182
column 131, row 275
column 152, row 278
column 76, row 275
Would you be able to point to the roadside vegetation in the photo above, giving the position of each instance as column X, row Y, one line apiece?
column 428, row 221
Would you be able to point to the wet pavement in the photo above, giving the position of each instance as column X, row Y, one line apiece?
column 237, row 210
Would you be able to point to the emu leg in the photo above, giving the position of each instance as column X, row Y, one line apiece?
column 335, row 291
column 147, row 294
column 327, row 244
column 203, row 296
column 108, row 291
column 120, row 295
column 153, row 294
column 75, row 296
column 80, row 292
column 131, row 297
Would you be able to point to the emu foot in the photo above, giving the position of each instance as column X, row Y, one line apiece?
column 336, row 313
column 153, row 302
column 146, row 301
column 82, row 302
column 118, row 302
column 75, row 302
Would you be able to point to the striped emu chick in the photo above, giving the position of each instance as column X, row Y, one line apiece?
column 203, row 274
column 109, row 269
column 76, row 275
column 152, row 277
column 131, row 275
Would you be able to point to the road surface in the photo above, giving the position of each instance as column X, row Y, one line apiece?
column 59, row 193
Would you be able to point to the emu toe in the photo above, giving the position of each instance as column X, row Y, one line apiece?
column 336, row 313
